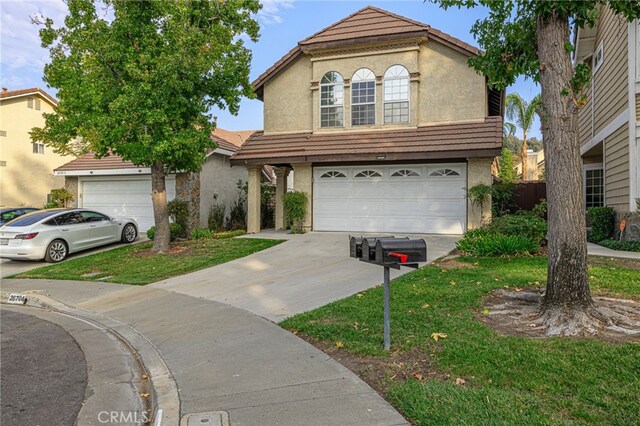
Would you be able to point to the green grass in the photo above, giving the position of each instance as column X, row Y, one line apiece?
column 509, row 380
column 134, row 264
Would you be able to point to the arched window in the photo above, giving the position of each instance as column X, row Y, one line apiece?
column 368, row 173
column 333, row 174
column 405, row 173
column 331, row 100
column 444, row 172
column 363, row 97
column 396, row 95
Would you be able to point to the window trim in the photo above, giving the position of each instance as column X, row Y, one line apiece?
column 443, row 170
column 37, row 148
column 327, row 106
column 368, row 174
column 396, row 173
column 585, row 169
column 333, row 174
column 408, row 101
column 352, row 103
column 600, row 50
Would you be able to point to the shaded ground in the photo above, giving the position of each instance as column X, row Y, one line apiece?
column 43, row 374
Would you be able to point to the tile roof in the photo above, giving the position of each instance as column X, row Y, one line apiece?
column 229, row 140
column 7, row 94
column 369, row 24
column 456, row 140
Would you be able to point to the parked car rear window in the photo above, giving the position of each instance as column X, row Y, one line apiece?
column 31, row 218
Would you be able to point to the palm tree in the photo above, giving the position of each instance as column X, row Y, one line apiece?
column 508, row 129
column 522, row 112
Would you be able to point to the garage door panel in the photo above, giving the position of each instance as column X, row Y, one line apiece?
column 402, row 203
column 124, row 197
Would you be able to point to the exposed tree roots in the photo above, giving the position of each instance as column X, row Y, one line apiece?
column 520, row 313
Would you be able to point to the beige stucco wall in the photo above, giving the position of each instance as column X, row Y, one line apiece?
column 449, row 89
column 478, row 172
column 253, row 199
column 287, row 105
column 218, row 184
column 25, row 178
column 443, row 88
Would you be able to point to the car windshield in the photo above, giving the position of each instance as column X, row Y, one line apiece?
column 31, row 218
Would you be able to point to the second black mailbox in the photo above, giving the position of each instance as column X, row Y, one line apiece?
column 369, row 246
column 398, row 250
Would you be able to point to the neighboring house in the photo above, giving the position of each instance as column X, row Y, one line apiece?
column 26, row 168
column 608, row 122
column 384, row 124
column 119, row 188
column 535, row 166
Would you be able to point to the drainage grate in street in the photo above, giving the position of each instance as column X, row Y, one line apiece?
column 211, row 418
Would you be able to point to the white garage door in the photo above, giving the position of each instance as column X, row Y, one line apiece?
column 424, row 198
column 124, row 197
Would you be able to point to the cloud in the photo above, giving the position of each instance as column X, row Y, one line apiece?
column 20, row 53
column 271, row 11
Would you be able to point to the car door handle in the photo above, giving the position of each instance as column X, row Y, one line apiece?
column 63, row 230
column 92, row 226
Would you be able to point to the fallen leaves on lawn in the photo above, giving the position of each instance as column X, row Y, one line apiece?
column 145, row 394
column 460, row 381
column 485, row 311
column 437, row 336
column 418, row 376
column 339, row 344
column 452, row 282
column 425, row 306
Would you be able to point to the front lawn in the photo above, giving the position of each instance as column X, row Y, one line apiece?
column 135, row 264
column 474, row 375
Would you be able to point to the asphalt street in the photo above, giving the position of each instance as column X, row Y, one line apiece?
column 43, row 372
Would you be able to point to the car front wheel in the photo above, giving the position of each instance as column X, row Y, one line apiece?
column 129, row 233
column 56, row 251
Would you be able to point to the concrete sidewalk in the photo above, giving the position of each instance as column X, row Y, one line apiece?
column 301, row 274
column 596, row 250
column 223, row 358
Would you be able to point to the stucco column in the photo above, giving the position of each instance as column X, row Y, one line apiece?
column 253, row 199
column 303, row 182
column 281, row 188
column 478, row 172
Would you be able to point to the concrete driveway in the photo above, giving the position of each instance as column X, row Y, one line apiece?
column 305, row 272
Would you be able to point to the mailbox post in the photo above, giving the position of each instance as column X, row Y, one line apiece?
column 388, row 252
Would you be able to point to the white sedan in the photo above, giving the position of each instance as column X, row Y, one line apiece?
column 53, row 234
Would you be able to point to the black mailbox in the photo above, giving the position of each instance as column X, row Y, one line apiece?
column 389, row 251
column 355, row 247
column 369, row 246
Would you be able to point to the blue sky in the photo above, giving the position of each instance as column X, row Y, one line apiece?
column 283, row 22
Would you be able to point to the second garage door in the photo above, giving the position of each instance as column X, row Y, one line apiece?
column 425, row 198
column 123, row 197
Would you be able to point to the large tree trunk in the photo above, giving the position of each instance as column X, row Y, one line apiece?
column 524, row 155
column 567, row 303
column 160, row 213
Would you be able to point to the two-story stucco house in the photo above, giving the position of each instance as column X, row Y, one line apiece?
column 384, row 125
column 609, row 120
column 26, row 168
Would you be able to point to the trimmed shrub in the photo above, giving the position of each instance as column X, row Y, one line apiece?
column 201, row 233
column 602, row 221
column 215, row 221
column 621, row 245
column 497, row 245
column 237, row 219
column 228, row 234
column 175, row 229
column 295, row 208
column 524, row 224
column 59, row 197
column 179, row 213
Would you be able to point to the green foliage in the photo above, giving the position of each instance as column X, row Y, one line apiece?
column 295, row 208
column 201, row 233
column 479, row 195
column 523, row 224
column 507, row 172
column 521, row 111
column 267, row 207
column 228, row 234
column 540, row 209
column 621, row 245
column 602, row 220
column 215, row 221
column 238, row 214
column 501, row 198
column 175, row 230
column 179, row 213
column 60, row 197
column 511, row 234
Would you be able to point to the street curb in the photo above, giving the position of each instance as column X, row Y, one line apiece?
column 165, row 399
